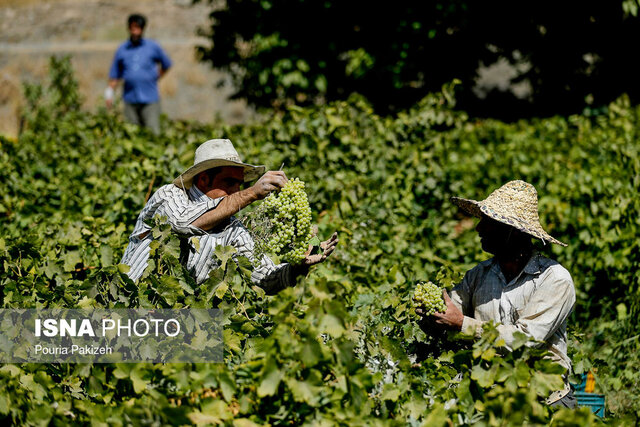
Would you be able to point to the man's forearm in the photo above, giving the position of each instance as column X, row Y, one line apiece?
column 228, row 207
column 162, row 71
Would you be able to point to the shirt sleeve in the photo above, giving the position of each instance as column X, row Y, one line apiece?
column 548, row 308
column 269, row 276
column 115, row 72
column 161, row 57
column 181, row 211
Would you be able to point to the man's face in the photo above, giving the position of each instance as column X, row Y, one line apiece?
column 229, row 179
column 135, row 32
column 494, row 235
column 224, row 183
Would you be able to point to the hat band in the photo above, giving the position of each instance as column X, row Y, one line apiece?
column 234, row 159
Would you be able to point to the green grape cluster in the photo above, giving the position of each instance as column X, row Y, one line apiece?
column 290, row 217
column 429, row 297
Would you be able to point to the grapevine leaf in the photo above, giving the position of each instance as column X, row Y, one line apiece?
column 224, row 254
column 390, row 392
column 544, row 384
column 331, row 325
column 485, row 377
column 137, row 379
column 270, row 380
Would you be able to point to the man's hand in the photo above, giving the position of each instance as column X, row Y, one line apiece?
column 109, row 92
column 327, row 247
column 452, row 318
column 270, row 181
column 108, row 96
column 233, row 203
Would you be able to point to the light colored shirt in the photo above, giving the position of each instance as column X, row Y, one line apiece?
column 181, row 209
column 537, row 302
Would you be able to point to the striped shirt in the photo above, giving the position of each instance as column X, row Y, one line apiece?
column 181, row 209
column 537, row 302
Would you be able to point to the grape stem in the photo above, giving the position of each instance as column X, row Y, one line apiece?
column 244, row 311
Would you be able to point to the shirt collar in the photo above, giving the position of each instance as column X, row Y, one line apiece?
column 130, row 44
column 531, row 268
column 196, row 195
column 533, row 265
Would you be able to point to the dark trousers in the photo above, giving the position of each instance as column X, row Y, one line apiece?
column 568, row 401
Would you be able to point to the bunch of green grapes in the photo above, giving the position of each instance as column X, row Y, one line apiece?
column 290, row 222
column 429, row 297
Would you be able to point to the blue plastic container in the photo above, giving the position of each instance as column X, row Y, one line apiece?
column 591, row 400
column 580, row 387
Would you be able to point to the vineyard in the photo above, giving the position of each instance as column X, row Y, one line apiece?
column 343, row 347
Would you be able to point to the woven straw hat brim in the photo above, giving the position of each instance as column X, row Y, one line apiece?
column 251, row 172
column 469, row 206
column 477, row 209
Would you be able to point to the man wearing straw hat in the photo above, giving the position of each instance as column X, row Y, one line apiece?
column 518, row 288
column 201, row 203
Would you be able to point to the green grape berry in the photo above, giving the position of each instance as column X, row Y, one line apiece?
column 428, row 296
column 290, row 219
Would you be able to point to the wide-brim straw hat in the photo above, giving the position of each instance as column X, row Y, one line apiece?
column 514, row 204
column 215, row 153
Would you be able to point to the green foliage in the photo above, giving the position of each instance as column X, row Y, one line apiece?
column 340, row 348
column 282, row 52
column 609, row 349
column 58, row 99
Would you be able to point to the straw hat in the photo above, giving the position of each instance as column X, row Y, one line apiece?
column 212, row 154
column 514, row 204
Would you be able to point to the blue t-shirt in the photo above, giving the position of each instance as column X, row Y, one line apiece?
column 136, row 64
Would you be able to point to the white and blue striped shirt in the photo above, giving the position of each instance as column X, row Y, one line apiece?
column 181, row 209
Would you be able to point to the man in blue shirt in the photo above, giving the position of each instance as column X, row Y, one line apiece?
column 140, row 63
